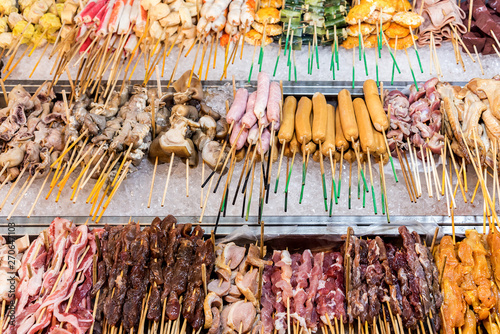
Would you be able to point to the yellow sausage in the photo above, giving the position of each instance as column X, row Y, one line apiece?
column 347, row 116
column 365, row 126
column 349, row 156
column 308, row 148
column 294, row 145
column 379, row 142
column 303, row 130
column 288, row 124
column 320, row 118
column 375, row 108
column 329, row 144
column 340, row 141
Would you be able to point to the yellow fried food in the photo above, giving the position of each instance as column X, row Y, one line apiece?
column 371, row 41
column 408, row 19
column 27, row 34
column 360, row 13
column 271, row 3
column 403, row 43
column 395, row 30
column 8, row 6
column 386, row 26
column 269, row 15
column 350, row 42
column 39, row 36
column 271, row 29
column 366, row 29
column 50, row 22
column 253, row 37
column 376, row 16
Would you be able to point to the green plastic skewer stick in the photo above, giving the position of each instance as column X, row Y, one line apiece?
column 250, row 74
column 419, row 62
column 289, row 61
column 376, row 69
column 380, row 43
column 359, row 190
column 248, row 207
column 374, row 201
column 276, row 65
column 364, row 59
column 288, row 179
column 260, row 65
column 331, row 207
column 359, row 45
column 277, row 59
column 392, row 56
column 261, row 54
column 353, row 66
column 223, row 202
column 289, row 72
column 349, row 201
column 414, row 80
column 317, row 56
column 393, row 169
column 334, row 189
column 295, row 71
column 332, row 65
column 364, row 199
column 364, row 180
column 325, row 196
column 393, row 71
column 333, row 195
column 286, row 201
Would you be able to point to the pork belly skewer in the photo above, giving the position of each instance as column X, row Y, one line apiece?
column 78, row 257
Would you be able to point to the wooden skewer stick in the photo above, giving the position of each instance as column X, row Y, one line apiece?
column 168, row 178
column 152, row 182
column 434, row 173
column 410, row 193
column 5, row 168
column 23, row 193
column 13, row 186
column 456, row 170
column 279, row 166
column 477, row 55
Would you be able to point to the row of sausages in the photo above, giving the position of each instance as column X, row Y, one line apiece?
column 311, row 123
column 310, row 126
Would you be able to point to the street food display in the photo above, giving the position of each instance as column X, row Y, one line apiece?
column 167, row 277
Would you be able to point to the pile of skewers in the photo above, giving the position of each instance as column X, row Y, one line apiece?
column 158, row 279
column 151, row 278
column 108, row 139
column 468, row 272
column 392, row 285
column 55, row 277
column 232, row 302
column 107, row 36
